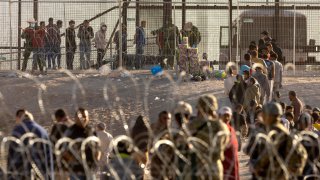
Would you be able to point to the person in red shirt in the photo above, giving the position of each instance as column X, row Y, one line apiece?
column 231, row 162
column 37, row 35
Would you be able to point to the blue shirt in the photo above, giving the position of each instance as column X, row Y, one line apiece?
column 21, row 156
column 140, row 37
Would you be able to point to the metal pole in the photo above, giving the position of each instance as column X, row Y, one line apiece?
column 294, row 40
column 120, row 35
column 238, row 32
column 137, row 13
column 35, row 9
column 175, row 38
column 19, row 35
column 276, row 20
column 183, row 13
column 230, row 30
column 11, row 53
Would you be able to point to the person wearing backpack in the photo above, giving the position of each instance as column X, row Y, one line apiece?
column 282, row 156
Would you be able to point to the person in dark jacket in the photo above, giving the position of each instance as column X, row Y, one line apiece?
column 28, row 43
column 85, row 34
column 73, row 158
column 29, row 156
column 236, row 94
column 71, row 45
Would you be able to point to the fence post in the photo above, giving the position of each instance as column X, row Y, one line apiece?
column 294, row 41
column 10, row 14
column 120, row 35
column 238, row 32
column 183, row 13
column 175, row 39
column 19, row 36
column 230, row 30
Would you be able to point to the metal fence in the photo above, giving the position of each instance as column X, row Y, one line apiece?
column 292, row 24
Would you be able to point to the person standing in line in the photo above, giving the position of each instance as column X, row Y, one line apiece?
column 116, row 40
column 106, row 139
column 270, row 71
column 26, row 159
column 58, row 45
column 51, row 43
column 71, row 45
column 100, row 43
column 256, row 60
column 85, row 34
column 38, row 46
column 230, row 80
column 264, row 85
column 230, row 163
column 252, row 93
column 140, row 41
column 28, row 44
column 296, row 104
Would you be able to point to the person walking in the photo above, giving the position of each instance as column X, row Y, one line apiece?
column 71, row 45
column 85, row 34
column 28, row 43
column 100, row 43
column 296, row 104
column 140, row 41
column 264, row 85
column 237, row 92
column 231, row 162
column 36, row 158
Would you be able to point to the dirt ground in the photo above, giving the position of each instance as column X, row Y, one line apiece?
column 118, row 99
column 115, row 99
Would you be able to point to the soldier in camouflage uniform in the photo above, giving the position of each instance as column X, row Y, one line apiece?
column 169, row 39
column 193, row 34
column 27, row 44
column 280, row 156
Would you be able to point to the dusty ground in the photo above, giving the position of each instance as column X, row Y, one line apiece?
column 119, row 100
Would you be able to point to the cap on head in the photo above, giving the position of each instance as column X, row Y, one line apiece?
column 207, row 103
column 32, row 20
column 225, row 110
column 266, row 33
column 183, row 108
column 273, row 109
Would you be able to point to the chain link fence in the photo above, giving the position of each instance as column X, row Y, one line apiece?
column 293, row 26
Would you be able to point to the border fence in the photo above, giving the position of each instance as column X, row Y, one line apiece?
column 226, row 28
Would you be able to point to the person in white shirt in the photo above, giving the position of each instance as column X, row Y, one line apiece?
column 230, row 80
column 106, row 139
column 278, row 72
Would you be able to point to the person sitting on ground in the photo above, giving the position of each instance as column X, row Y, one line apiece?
column 140, row 136
column 308, row 109
column 82, row 130
column 230, row 163
column 23, row 158
column 252, row 93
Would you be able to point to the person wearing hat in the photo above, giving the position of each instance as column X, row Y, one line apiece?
column 193, row 34
column 85, row 34
column 100, row 43
column 230, row 163
column 206, row 127
column 316, row 110
column 182, row 113
column 106, row 139
column 28, row 43
column 288, row 150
